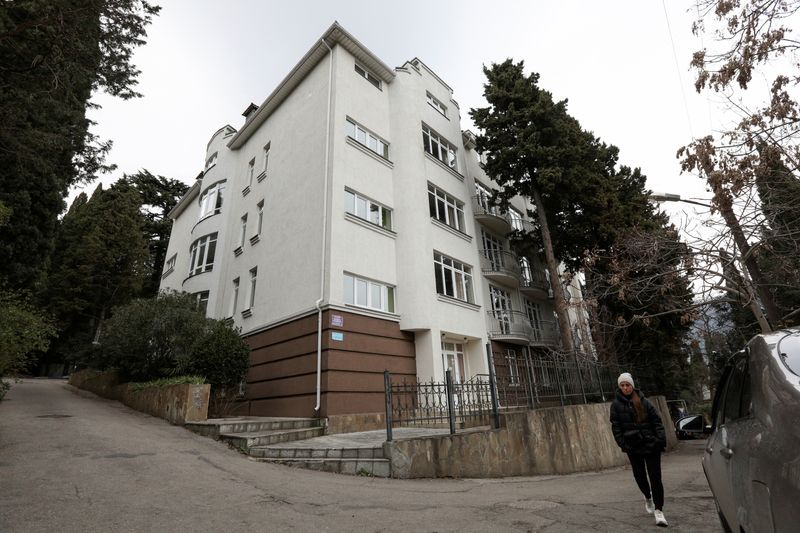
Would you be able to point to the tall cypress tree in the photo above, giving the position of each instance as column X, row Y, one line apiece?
column 53, row 54
column 534, row 148
column 100, row 261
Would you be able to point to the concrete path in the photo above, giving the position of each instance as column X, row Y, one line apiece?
column 72, row 462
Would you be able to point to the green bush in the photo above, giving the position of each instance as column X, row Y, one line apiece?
column 24, row 329
column 221, row 356
column 166, row 382
column 166, row 337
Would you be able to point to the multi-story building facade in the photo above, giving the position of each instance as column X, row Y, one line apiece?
column 347, row 229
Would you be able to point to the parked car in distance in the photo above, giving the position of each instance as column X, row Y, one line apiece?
column 692, row 427
column 752, row 458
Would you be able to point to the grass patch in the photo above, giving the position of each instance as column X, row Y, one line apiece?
column 166, row 382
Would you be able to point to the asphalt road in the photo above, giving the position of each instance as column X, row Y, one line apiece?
column 73, row 462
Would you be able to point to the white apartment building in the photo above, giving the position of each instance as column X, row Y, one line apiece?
column 346, row 229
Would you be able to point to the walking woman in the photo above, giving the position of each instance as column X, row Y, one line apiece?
column 639, row 432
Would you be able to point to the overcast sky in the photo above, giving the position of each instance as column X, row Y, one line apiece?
column 622, row 64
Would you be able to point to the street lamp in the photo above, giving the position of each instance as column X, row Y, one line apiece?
column 755, row 284
column 669, row 197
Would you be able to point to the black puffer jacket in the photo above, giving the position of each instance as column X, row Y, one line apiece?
column 634, row 437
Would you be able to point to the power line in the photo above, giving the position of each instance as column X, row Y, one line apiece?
column 678, row 70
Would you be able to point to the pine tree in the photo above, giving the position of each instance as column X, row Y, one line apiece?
column 158, row 195
column 100, row 261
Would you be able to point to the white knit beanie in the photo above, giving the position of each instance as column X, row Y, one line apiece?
column 625, row 377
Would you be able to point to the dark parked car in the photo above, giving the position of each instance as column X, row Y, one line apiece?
column 752, row 458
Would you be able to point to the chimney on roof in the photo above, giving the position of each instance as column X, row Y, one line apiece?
column 248, row 113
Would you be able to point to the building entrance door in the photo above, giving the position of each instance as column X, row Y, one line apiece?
column 453, row 359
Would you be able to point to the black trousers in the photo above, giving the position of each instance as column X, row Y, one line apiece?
column 644, row 466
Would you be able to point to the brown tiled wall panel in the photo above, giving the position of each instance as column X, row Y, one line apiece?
column 285, row 349
column 282, row 378
column 302, row 406
column 362, row 342
column 284, row 386
column 303, row 364
column 284, row 332
column 355, row 402
column 365, row 362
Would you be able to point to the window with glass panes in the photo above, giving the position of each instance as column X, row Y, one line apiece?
column 453, row 278
column 367, row 293
column 439, row 147
column 365, row 137
column 211, row 200
column 366, row 209
column 445, row 208
column 201, row 254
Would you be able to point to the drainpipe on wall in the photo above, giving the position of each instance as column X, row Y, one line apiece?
column 324, row 231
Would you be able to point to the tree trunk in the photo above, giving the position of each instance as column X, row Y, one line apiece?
column 722, row 200
column 559, row 294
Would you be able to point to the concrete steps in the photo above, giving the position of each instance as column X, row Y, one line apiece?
column 214, row 427
column 246, row 440
column 283, row 441
column 353, row 467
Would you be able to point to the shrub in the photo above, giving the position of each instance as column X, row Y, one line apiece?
column 23, row 330
column 146, row 338
column 220, row 355
column 165, row 337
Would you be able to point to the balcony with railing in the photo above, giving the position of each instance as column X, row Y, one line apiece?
column 490, row 215
column 501, row 266
column 533, row 280
column 516, row 328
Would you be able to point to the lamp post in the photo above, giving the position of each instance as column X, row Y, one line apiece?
column 755, row 284
column 669, row 197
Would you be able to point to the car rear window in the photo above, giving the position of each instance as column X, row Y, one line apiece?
column 789, row 347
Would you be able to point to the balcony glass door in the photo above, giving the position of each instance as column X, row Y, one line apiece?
column 501, row 307
column 493, row 250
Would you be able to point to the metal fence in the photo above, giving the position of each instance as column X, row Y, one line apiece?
column 513, row 383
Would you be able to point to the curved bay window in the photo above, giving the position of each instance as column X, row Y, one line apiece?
column 201, row 254
column 211, row 200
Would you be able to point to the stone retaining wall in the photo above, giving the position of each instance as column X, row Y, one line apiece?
column 553, row 440
column 177, row 404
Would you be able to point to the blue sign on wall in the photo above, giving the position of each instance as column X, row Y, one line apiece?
column 337, row 336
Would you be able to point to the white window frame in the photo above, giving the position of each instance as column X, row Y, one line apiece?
column 243, row 234
column 445, row 208
column 202, row 252
column 251, row 170
column 367, row 75
column 376, row 295
column 436, row 104
column 459, row 276
column 372, row 142
column 211, row 200
column 169, row 265
column 234, row 297
column 362, row 207
column 251, row 296
column 201, row 300
column 453, row 358
column 439, row 147
column 260, row 210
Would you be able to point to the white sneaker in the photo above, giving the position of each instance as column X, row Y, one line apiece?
column 649, row 506
column 660, row 520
